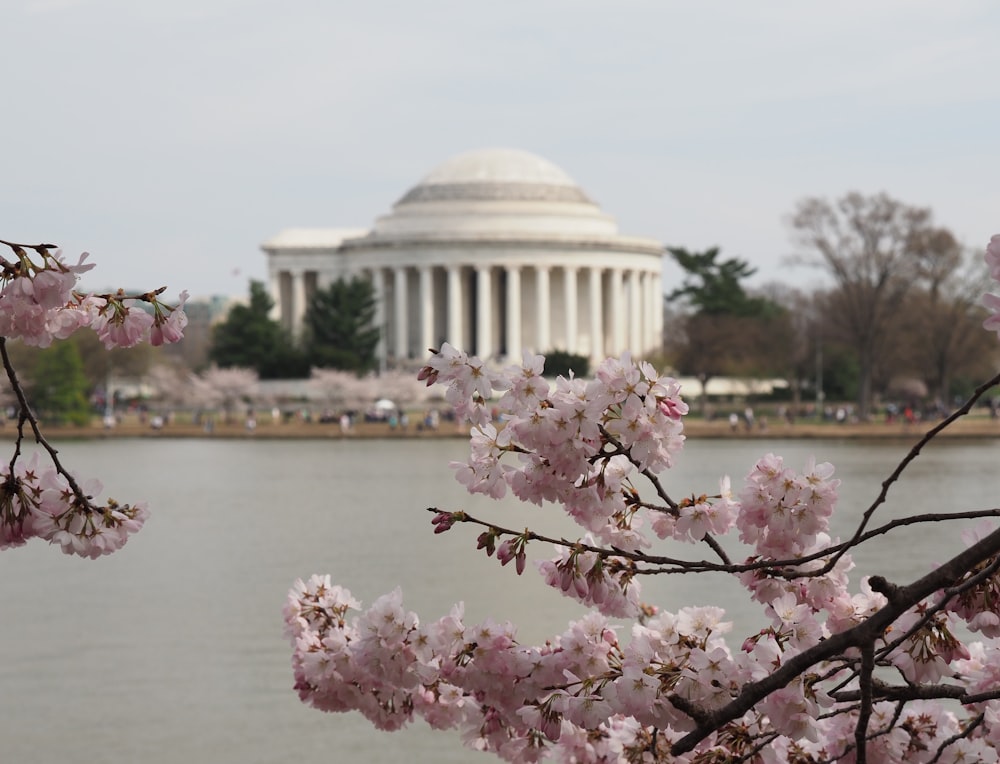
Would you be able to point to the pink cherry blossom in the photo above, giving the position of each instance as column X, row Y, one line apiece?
column 168, row 328
column 122, row 324
column 39, row 304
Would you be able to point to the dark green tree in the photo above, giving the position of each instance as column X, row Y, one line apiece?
column 713, row 287
column 340, row 327
column 728, row 331
column 559, row 363
column 58, row 387
column 250, row 338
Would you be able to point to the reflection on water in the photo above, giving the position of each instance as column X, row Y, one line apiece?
column 171, row 650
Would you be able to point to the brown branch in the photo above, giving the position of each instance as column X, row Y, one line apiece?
column 645, row 472
column 36, row 247
column 907, row 692
column 26, row 415
column 966, row 732
column 709, row 539
column 964, row 409
column 682, row 566
column 865, row 633
column 931, row 611
column 781, row 567
column 865, row 712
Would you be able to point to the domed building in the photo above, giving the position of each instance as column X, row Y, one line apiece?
column 495, row 251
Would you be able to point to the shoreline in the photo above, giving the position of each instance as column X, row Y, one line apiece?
column 967, row 428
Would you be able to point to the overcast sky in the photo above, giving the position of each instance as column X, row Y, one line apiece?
column 171, row 137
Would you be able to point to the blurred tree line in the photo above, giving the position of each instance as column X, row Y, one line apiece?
column 900, row 320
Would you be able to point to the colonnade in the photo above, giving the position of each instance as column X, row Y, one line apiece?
column 499, row 310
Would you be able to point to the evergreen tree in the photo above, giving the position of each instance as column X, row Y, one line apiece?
column 713, row 288
column 559, row 363
column 58, row 389
column 728, row 332
column 249, row 338
column 340, row 327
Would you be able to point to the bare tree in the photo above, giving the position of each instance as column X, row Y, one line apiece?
column 800, row 342
column 875, row 247
column 947, row 317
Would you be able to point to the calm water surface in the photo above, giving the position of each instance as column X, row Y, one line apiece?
column 171, row 650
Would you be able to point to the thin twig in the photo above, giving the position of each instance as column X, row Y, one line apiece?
column 865, row 711
column 964, row 409
column 26, row 415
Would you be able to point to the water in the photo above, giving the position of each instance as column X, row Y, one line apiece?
column 171, row 650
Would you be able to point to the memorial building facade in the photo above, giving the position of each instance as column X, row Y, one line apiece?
column 495, row 251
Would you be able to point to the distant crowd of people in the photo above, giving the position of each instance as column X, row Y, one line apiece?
column 430, row 419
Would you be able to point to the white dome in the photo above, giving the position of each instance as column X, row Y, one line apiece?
column 498, row 166
column 495, row 193
column 496, row 175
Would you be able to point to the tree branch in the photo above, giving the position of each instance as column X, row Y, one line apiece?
column 865, row 633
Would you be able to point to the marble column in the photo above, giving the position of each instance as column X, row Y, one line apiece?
column 649, row 312
column 658, row 310
column 455, row 302
column 543, row 309
column 617, row 317
column 569, row 300
column 274, row 289
column 634, row 315
column 378, row 286
column 514, row 313
column 298, row 311
column 484, row 312
column 596, row 315
column 426, row 309
column 402, row 348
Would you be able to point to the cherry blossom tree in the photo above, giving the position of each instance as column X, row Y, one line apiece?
column 39, row 305
column 340, row 388
column 399, row 386
column 172, row 387
column 225, row 388
column 865, row 670
column 346, row 389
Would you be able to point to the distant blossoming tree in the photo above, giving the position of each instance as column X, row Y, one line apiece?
column 399, row 386
column 172, row 387
column 225, row 388
column 345, row 389
column 39, row 305
column 339, row 388
column 864, row 671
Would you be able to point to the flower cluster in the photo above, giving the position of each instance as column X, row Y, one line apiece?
column 39, row 304
column 42, row 503
column 503, row 696
column 579, row 444
column 829, row 667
